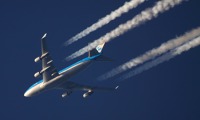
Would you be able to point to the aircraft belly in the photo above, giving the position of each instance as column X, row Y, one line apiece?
column 54, row 82
column 34, row 91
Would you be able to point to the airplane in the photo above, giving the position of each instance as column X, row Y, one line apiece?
column 54, row 79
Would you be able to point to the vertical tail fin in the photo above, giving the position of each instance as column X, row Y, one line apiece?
column 97, row 50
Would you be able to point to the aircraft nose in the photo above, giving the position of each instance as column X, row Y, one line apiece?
column 26, row 94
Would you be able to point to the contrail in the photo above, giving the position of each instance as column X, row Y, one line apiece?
column 148, row 14
column 151, row 54
column 105, row 20
column 185, row 47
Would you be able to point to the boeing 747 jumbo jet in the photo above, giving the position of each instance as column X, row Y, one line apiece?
column 53, row 79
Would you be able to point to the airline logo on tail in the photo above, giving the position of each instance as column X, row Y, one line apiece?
column 100, row 47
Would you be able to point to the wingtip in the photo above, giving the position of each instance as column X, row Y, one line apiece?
column 44, row 35
column 116, row 87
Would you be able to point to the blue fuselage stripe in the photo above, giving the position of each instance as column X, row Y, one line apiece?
column 81, row 61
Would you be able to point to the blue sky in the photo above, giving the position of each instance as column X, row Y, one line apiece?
column 168, row 91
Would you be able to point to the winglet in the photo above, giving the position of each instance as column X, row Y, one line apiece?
column 116, row 87
column 44, row 35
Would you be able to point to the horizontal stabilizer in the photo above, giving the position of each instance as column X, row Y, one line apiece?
column 103, row 58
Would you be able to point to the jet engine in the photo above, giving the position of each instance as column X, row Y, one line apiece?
column 41, row 57
column 90, row 92
column 37, row 74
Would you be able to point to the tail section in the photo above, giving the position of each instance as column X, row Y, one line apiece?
column 99, row 48
column 98, row 51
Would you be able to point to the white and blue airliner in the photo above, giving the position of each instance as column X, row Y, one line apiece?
column 53, row 79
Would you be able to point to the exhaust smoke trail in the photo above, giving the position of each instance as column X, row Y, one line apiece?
column 148, row 14
column 108, row 18
column 151, row 54
column 183, row 48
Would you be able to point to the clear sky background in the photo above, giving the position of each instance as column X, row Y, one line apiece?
column 169, row 91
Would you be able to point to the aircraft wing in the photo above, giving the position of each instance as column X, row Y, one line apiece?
column 75, row 86
column 48, row 69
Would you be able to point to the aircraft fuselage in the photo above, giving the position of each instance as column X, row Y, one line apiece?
column 64, row 76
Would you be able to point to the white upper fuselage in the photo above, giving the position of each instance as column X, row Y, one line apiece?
column 63, row 77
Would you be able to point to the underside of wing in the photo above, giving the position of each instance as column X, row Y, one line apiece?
column 48, row 69
column 72, row 86
column 76, row 86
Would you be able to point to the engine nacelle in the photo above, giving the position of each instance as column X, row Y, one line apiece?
column 37, row 59
column 41, row 57
column 85, row 95
column 37, row 74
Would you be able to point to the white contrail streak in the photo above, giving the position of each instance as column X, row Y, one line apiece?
column 105, row 20
column 151, row 54
column 148, row 14
column 183, row 48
